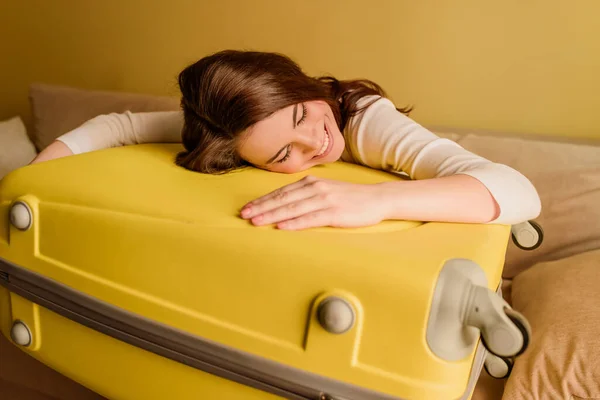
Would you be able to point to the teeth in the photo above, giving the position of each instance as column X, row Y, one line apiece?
column 325, row 144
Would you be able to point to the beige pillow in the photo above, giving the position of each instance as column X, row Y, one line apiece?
column 561, row 300
column 570, row 217
column 16, row 150
column 59, row 109
column 567, row 178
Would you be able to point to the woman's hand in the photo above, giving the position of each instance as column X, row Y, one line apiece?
column 313, row 202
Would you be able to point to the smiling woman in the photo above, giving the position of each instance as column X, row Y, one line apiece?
column 243, row 108
column 299, row 137
column 260, row 109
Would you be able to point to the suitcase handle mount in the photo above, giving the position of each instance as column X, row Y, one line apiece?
column 464, row 309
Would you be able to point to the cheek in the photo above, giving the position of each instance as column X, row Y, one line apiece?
column 339, row 144
column 292, row 168
column 281, row 169
column 337, row 151
column 319, row 111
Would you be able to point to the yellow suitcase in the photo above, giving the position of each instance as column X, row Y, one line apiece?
column 137, row 279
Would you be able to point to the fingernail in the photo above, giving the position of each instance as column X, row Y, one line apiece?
column 257, row 219
column 246, row 211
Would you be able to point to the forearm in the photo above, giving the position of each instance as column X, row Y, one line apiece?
column 56, row 149
column 456, row 198
column 113, row 130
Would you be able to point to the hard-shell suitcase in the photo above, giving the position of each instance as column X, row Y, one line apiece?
column 138, row 279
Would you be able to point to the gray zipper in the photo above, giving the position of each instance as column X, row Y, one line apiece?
column 177, row 345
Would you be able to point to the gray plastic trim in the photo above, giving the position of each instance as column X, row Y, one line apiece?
column 20, row 333
column 21, row 216
column 177, row 345
column 447, row 335
column 480, row 356
column 478, row 362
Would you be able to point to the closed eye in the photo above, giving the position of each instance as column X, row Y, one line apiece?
column 304, row 112
column 287, row 154
column 302, row 118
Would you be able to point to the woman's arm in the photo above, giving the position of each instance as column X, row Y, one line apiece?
column 55, row 150
column 449, row 183
column 313, row 202
column 456, row 198
column 112, row 130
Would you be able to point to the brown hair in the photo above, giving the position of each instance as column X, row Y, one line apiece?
column 225, row 93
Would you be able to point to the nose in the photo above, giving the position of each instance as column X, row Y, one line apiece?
column 310, row 138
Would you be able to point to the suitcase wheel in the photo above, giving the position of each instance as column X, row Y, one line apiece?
column 521, row 323
column 527, row 235
column 497, row 367
column 506, row 337
column 504, row 332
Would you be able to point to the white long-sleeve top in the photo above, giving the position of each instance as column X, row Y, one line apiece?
column 380, row 138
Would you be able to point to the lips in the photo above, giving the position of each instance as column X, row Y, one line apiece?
column 326, row 146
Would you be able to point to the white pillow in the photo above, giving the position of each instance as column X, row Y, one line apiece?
column 16, row 150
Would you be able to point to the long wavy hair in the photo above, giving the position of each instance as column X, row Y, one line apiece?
column 225, row 93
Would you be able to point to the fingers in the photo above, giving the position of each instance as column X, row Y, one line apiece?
column 309, row 202
column 287, row 195
column 280, row 192
column 291, row 210
column 314, row 219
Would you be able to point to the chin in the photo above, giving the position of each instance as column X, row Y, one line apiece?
column 338, row 148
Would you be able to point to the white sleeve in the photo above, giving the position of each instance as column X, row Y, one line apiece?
column 383, row 138
column 112, row 130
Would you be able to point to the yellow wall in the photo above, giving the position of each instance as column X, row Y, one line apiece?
column 524, row 66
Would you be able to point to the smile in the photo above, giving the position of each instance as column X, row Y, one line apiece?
column 326, row 146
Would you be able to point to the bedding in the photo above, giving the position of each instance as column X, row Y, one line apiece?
column 561, row 300
column 59, row 109
column 16, row 150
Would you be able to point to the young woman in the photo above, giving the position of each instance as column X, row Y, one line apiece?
column 243, row 108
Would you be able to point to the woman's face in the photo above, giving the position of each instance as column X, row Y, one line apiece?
column 294, row 139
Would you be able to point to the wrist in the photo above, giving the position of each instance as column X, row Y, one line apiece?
column 389, row 198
